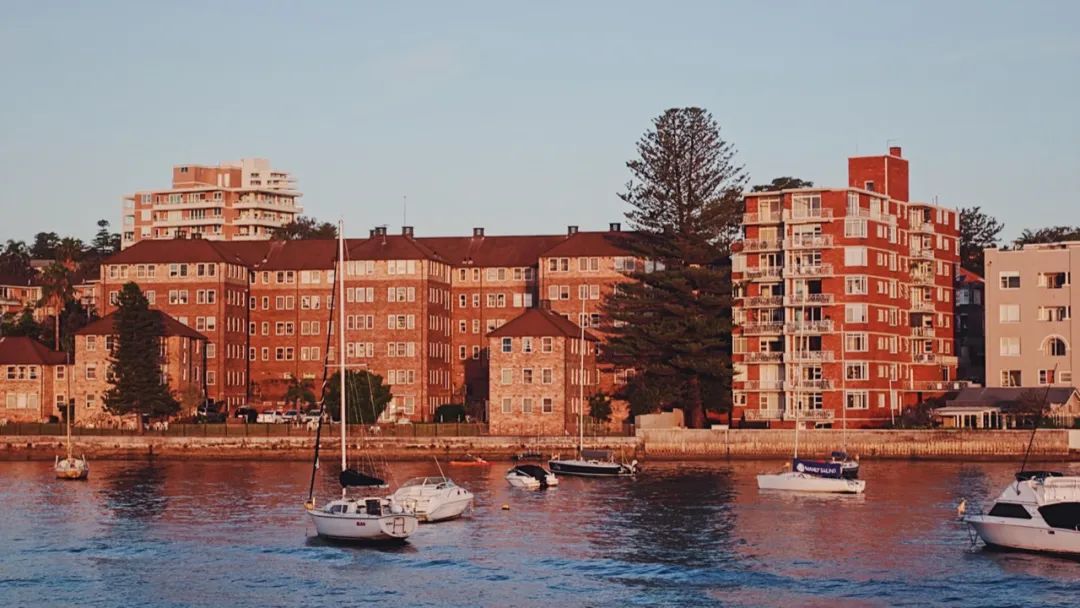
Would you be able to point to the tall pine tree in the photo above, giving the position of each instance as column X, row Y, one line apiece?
column 673, row 324
column 136, row 361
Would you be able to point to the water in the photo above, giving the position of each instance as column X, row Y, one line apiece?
column 234, row 533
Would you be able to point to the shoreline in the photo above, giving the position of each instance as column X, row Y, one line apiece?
column 654, row 445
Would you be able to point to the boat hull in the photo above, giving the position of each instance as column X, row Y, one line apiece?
column 583, row 468
column 431, row 510
column 799, row 482
column 523, row 482
column 1012, row 534
column 363, row 528
column 74, row 469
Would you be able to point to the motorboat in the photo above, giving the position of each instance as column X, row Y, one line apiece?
column 1039, row 511
column 469, row 460
column 811, row 476
column 593, row 463
column 433, row 499
column 849, row 467
column 370, row 518
column 531, row 477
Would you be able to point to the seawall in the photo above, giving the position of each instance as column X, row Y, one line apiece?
column 667, row 444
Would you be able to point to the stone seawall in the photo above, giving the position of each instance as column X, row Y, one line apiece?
column 947, row 444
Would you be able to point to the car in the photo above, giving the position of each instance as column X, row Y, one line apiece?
column 269, row 416
column 290, row 416
column 247, row 413
column 209, row 412
column 310, row 416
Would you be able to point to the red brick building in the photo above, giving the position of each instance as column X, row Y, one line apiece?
column 540, row 368
column 843, row 302
column 33, row 380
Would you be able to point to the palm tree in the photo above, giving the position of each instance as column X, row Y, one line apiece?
column 57, row 289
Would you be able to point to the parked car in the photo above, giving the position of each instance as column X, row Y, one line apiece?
column 209, row 412
column 290, row 416
column 270, row 416
column 310, row 416
column 247, row 413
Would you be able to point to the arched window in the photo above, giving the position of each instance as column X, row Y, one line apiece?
column 1055, row 346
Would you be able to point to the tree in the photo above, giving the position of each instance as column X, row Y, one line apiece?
column 137, row 386
column 600, row 407
column 44, row 247
column 304, row 228
column 673, row 322
column 977, row 232
column 782, row 183
column 367, row 396
column 1052, row 234
column 105, row 243
column 57, row 289
column 21, row 325
column 15, row 260
column 299, row 391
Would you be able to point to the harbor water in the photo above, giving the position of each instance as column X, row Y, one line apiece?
column 200, row 533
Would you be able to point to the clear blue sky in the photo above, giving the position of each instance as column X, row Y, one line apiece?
column 519, row 116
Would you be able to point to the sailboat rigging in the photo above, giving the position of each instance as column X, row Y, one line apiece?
column 70, row 467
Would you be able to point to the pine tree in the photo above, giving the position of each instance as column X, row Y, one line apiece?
column 367, row 396
column 673, row 323
column 977, row 232
column 136, row 361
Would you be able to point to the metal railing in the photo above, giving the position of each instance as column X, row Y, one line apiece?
column 762, row 218
column 763, row 301
column 809, row 241
column 762, row 328
column 808, row 270
column 797, row 299
column 763, row 385
column 807, row 215
column 923, row 305
column 762, row 245
column 809, row 356
column 759, row 272
column 241, row 429
column 764, row 357
column 923, row 332
column 820, row 384
column 820, row 326
column 767, row 414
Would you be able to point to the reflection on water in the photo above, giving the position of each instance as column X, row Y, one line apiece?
column 211, row 533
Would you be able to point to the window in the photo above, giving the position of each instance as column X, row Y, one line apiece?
column 546, row 344
column 855, row 285
column 507, row 345
column 1055, row 347
column 1010, row 377
column 1055, row 313
column 527, row 376
column 856, row 342
column 91, row 372
column 91, row 343
column 1054, row 280
column 526, row 405
column 855, row 313
column 507, row 405
column 506, row 376
column 1009, row 280
column 548, row 405
column 1009, row 313
column 855, row 229
column 1046, row 376
column 856, row 400
column 526, row 345
column 1009, row 346
column 855, row 256
column 856, row 371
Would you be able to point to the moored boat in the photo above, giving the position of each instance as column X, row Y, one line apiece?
column 1039, row 511
column 433, row 499
column 469, row 460
column 849, row 467
column 811, row 476
column 593, row 463
column 531, row 477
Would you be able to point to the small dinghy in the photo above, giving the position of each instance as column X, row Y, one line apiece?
column 469, row 460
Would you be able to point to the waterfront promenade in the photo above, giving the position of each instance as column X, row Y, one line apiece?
column 274, row 442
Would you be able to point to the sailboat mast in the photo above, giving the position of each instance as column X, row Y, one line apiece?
column 69, row 407
column 581, row 381
column 341, row 337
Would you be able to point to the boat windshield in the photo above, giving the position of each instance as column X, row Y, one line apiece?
column 424, row 481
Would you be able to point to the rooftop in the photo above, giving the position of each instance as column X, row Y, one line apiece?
column 106, row 326
column 540, row 322
column 19, row 350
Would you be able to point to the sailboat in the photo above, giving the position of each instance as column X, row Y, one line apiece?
column 1039, row 511
column 71, row 467
column 589, row 463
column 369, row 518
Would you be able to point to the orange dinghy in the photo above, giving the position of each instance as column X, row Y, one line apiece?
column 469, row 460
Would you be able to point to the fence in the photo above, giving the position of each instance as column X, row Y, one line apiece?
column 446, row 429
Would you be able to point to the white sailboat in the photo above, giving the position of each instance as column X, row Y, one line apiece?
column 70, row 467
column 589, row 463
column 368, row 518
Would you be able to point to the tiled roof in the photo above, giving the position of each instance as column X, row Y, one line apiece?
column 14, row 280
column 484, row 251
column 180, row 250
column 18, row 350
column 389, row 247
column 540, row 322
column 297, row 255
column 1009, row 397
column 592, row 243
column 106, row 326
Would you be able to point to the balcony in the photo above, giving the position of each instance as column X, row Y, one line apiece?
column 806, row 384
column 768, row 217
column 199, row 204
column 922, row 278
column 260, row 221
column 199, row 221
column 762, row 328
column 813, row 415
column 763, row 272
column 809, row 327
column 923, row 306
column 809, row 241
column 808, row 270
column 924, row 227
column 921, row 254
column 877, row 217
column 287, row 207
column 760, row 245
column 808, row 356
column 770, row 414
column 764, row 357
column 924, row 358
column 763, row 301
column 923, row 332
column 940, row 385
column 808, row 215
column 813, row 299
column 762, row 385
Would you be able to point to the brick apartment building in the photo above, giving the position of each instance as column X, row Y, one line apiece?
column 183, row 364
column 539, row 366
column 17, row 293
column 418, row 310
column 1029, row 328
column 242, row 200
column 33, row 380
column 844, row 300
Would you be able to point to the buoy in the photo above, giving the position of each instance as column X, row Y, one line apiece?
column 506, row 507
column 961, row 508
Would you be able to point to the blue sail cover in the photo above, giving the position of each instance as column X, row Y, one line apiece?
column 814, row 467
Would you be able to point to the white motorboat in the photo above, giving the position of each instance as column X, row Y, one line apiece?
column 368, row 518
column 795, row 481
column 531, row 477
column 1040, row 511
column 433, row 499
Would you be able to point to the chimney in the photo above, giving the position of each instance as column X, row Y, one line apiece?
column 407, row 231
column 371, row 233
column 380, row 231
column 614, row 227
column 478, row 232
column 571, row 230
column 895, row 151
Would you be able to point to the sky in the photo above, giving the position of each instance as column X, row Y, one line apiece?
column 520, row 116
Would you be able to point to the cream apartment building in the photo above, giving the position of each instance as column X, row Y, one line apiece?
column 1030, row 336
